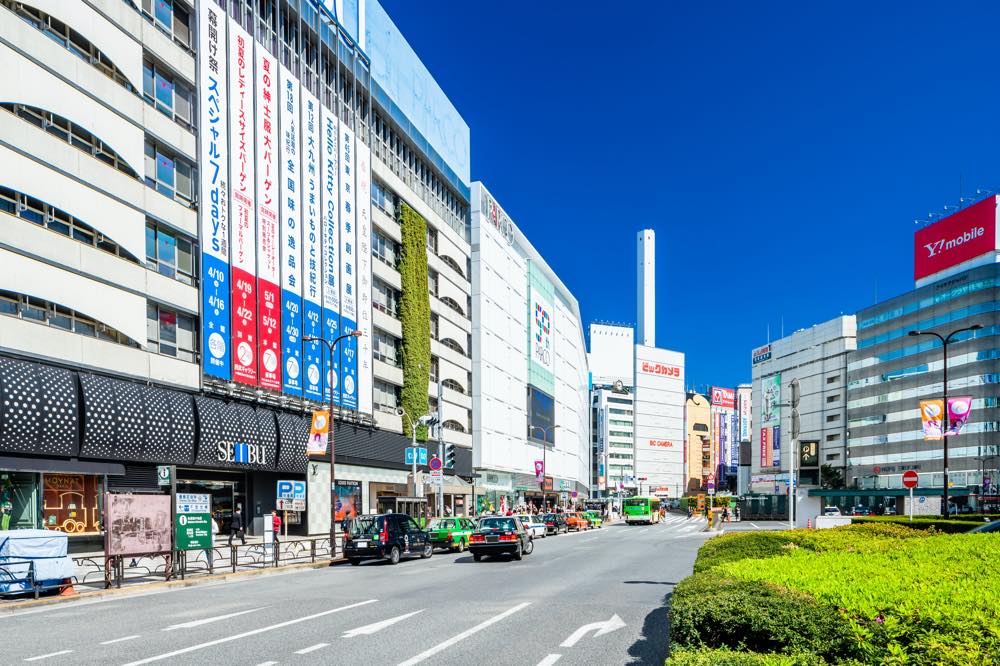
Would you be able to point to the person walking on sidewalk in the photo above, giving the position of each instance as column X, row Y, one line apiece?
column 210, row 552
column 236, row 526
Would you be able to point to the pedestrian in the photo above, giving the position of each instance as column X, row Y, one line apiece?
column 236, row 525
column 276, row 526
column 210, row 551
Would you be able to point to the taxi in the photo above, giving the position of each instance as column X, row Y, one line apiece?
column 594, row 517
column 450, row 533
column 576, row 521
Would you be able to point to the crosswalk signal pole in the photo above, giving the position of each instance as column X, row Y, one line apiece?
column 440, row 429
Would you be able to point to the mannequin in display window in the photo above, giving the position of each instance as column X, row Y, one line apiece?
column 6, row 503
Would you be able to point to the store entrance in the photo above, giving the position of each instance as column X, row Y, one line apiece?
column 415, row 507
column 227, row 491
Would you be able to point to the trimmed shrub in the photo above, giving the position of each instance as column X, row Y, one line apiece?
column 714, row 612
column 740, row 546
column 950, row 526
column 725, row 657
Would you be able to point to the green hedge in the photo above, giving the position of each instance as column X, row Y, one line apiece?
column 415, row 317
column 949, row 526
column 726, row 657
column 709, row 611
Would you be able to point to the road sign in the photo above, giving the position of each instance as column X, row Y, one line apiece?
column 436, row 477
column 910, row 479
column 163, row 475
column 922, row 499
column 290, row 504
column 193, row 522
column 711, row 486
column 711, row 478
column 421, row 455
column 435, row 464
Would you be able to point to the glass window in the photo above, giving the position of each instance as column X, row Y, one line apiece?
column 164, row 174
column 151, row 244
column 164, row 13
column 166, row 252
column 164, row 94
column 148, row 80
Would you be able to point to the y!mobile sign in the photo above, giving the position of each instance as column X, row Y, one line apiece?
column 268, row 274
column 348, row 267
column 214, row 192
column 312, row 248
column 291, row 232
column 242, row 228
column 967, row 234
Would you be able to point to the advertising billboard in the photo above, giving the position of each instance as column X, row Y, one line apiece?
column 312, row 248
column 243, row 207
column 330, row 193
column 776, row 446
column 214, row 197
column 965, row 235
column 770, row 400
column 268, row 274
column 366, row 379
column 541, row 355
column 723, row 397
column 291, row 231
column 760, row 354
column 348, row 499
column 744, row 408
column 765, row 447
column 348, row 268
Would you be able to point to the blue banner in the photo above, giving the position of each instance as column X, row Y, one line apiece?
column 348, row 366
column 291, row 342
column 215, row 316
column 313, row 351
column 331, row 329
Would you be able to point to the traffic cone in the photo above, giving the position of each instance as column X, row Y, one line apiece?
column 67, row 590
column 809, row 524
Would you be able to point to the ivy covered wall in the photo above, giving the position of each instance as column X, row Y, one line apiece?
column 415, row 316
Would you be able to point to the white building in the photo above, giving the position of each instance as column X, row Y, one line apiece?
column 816, row 358
column 530, row 378
column 659, row 420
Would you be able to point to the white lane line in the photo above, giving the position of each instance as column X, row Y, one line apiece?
column 378, row 626
column 312, row 648
column 245, row 634
column 267, row 663
column 209, row 620
column 462, row 636
column 549, row 660
column 46, row 656
column 121, row 640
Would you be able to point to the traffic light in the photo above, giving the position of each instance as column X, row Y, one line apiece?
column 449, row 456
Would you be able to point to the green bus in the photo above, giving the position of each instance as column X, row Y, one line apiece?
column 642, row 510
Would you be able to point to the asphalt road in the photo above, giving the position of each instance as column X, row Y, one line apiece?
column 596, row 597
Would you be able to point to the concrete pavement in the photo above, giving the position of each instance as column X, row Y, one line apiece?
column 596, row 597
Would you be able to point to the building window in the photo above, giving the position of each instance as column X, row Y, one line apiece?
column 832, row 380
column 170, row 333
column 169, row 16
column 384, row 248
column 700, row 427
column 624, row 412
column 450, row 302
column 385, row 298
column 832, row 418
column 832, row 456
column 170, row 175
column 453, row 385
column 435, row 369
column 833, row 438
column 71, row 133
column 432, row 281
column 35, row 309
column 385, row 347
column 620, row 401
column 452, row 345
column 160, row 90
column 452, row 424
column 383, row 199
column 432, row 240
column 434, row 326
column 69, row 39
column 170, row 253
column 453, row 264
column 385, row 396
column 833, row 398
column 57, row 220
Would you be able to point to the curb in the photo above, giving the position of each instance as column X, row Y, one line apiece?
column 15, row 606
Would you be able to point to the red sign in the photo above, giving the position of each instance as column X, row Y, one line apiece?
column 765, row 447
column 651, row 368
column 661, row 442
column 876, row 470
column 435, row 463
column 965, row 235
column 723, row 397
column 910, row 479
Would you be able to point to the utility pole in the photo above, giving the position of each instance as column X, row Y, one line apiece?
column 440, row 433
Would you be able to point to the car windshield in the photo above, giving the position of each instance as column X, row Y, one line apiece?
column 988, row 527
column 527, row 519
column 548, row 517
column 367, row 526
column 441, row 524
column 497, row 524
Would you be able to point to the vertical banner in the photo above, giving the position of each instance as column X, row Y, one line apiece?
column 268, row 276
column 312, row 249
column 765, row 447
column 214, row 175
column 242, row 222
column 541, row 356
column 734, row 442
column 770, row 404
column 776, row 446
column 291, row 232
column 959, row 410
column 366, row 378
column 348, row 267
column 319, row 433
column 330, row 190
column 931, row 414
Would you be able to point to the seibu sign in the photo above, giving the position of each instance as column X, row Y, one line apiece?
column 967, row 234
column 651, row 368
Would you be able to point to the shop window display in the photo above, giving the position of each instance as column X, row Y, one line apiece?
column 70, row 503
column 18, row 502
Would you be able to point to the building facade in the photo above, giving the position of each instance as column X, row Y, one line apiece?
column 531, row 432
column 188, row 190
column 816, row 360
column 659, row 420
column 698, row 446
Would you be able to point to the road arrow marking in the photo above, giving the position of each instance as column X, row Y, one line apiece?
column 369, row 629
column 549, row 660
column 208, row 620
column 601, row 628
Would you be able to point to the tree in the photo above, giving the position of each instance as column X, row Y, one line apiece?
column 831, row 478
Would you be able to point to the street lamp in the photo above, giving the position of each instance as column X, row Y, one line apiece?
column 545, row 447
column 423, row 420
column 332, row 346
column 945, row 339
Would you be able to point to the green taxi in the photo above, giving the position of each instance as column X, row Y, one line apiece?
column 594, row 517
column 450, row 533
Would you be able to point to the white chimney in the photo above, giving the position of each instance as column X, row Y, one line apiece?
column 645, row 287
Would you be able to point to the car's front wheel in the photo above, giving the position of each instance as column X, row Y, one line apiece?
column 461, row 545
column 530, row 547
column 477, row 557
column 355, row 561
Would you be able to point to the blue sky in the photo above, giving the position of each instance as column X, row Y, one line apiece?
column 781, row 151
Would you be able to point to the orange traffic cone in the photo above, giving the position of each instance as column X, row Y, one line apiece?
column 809, row 524
column 67, row 590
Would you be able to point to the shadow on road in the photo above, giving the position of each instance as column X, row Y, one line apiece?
column 647, row 582
column 654, row 643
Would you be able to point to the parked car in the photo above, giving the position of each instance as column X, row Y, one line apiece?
column 831, row 511
column 594, row 517
column 889, row 511
column 554, row 523
column 575, row 521
column 500, row 535
column 534, row 525
column 385, row 536
column 987, row 528
column 451, row 533
column 861, row 510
